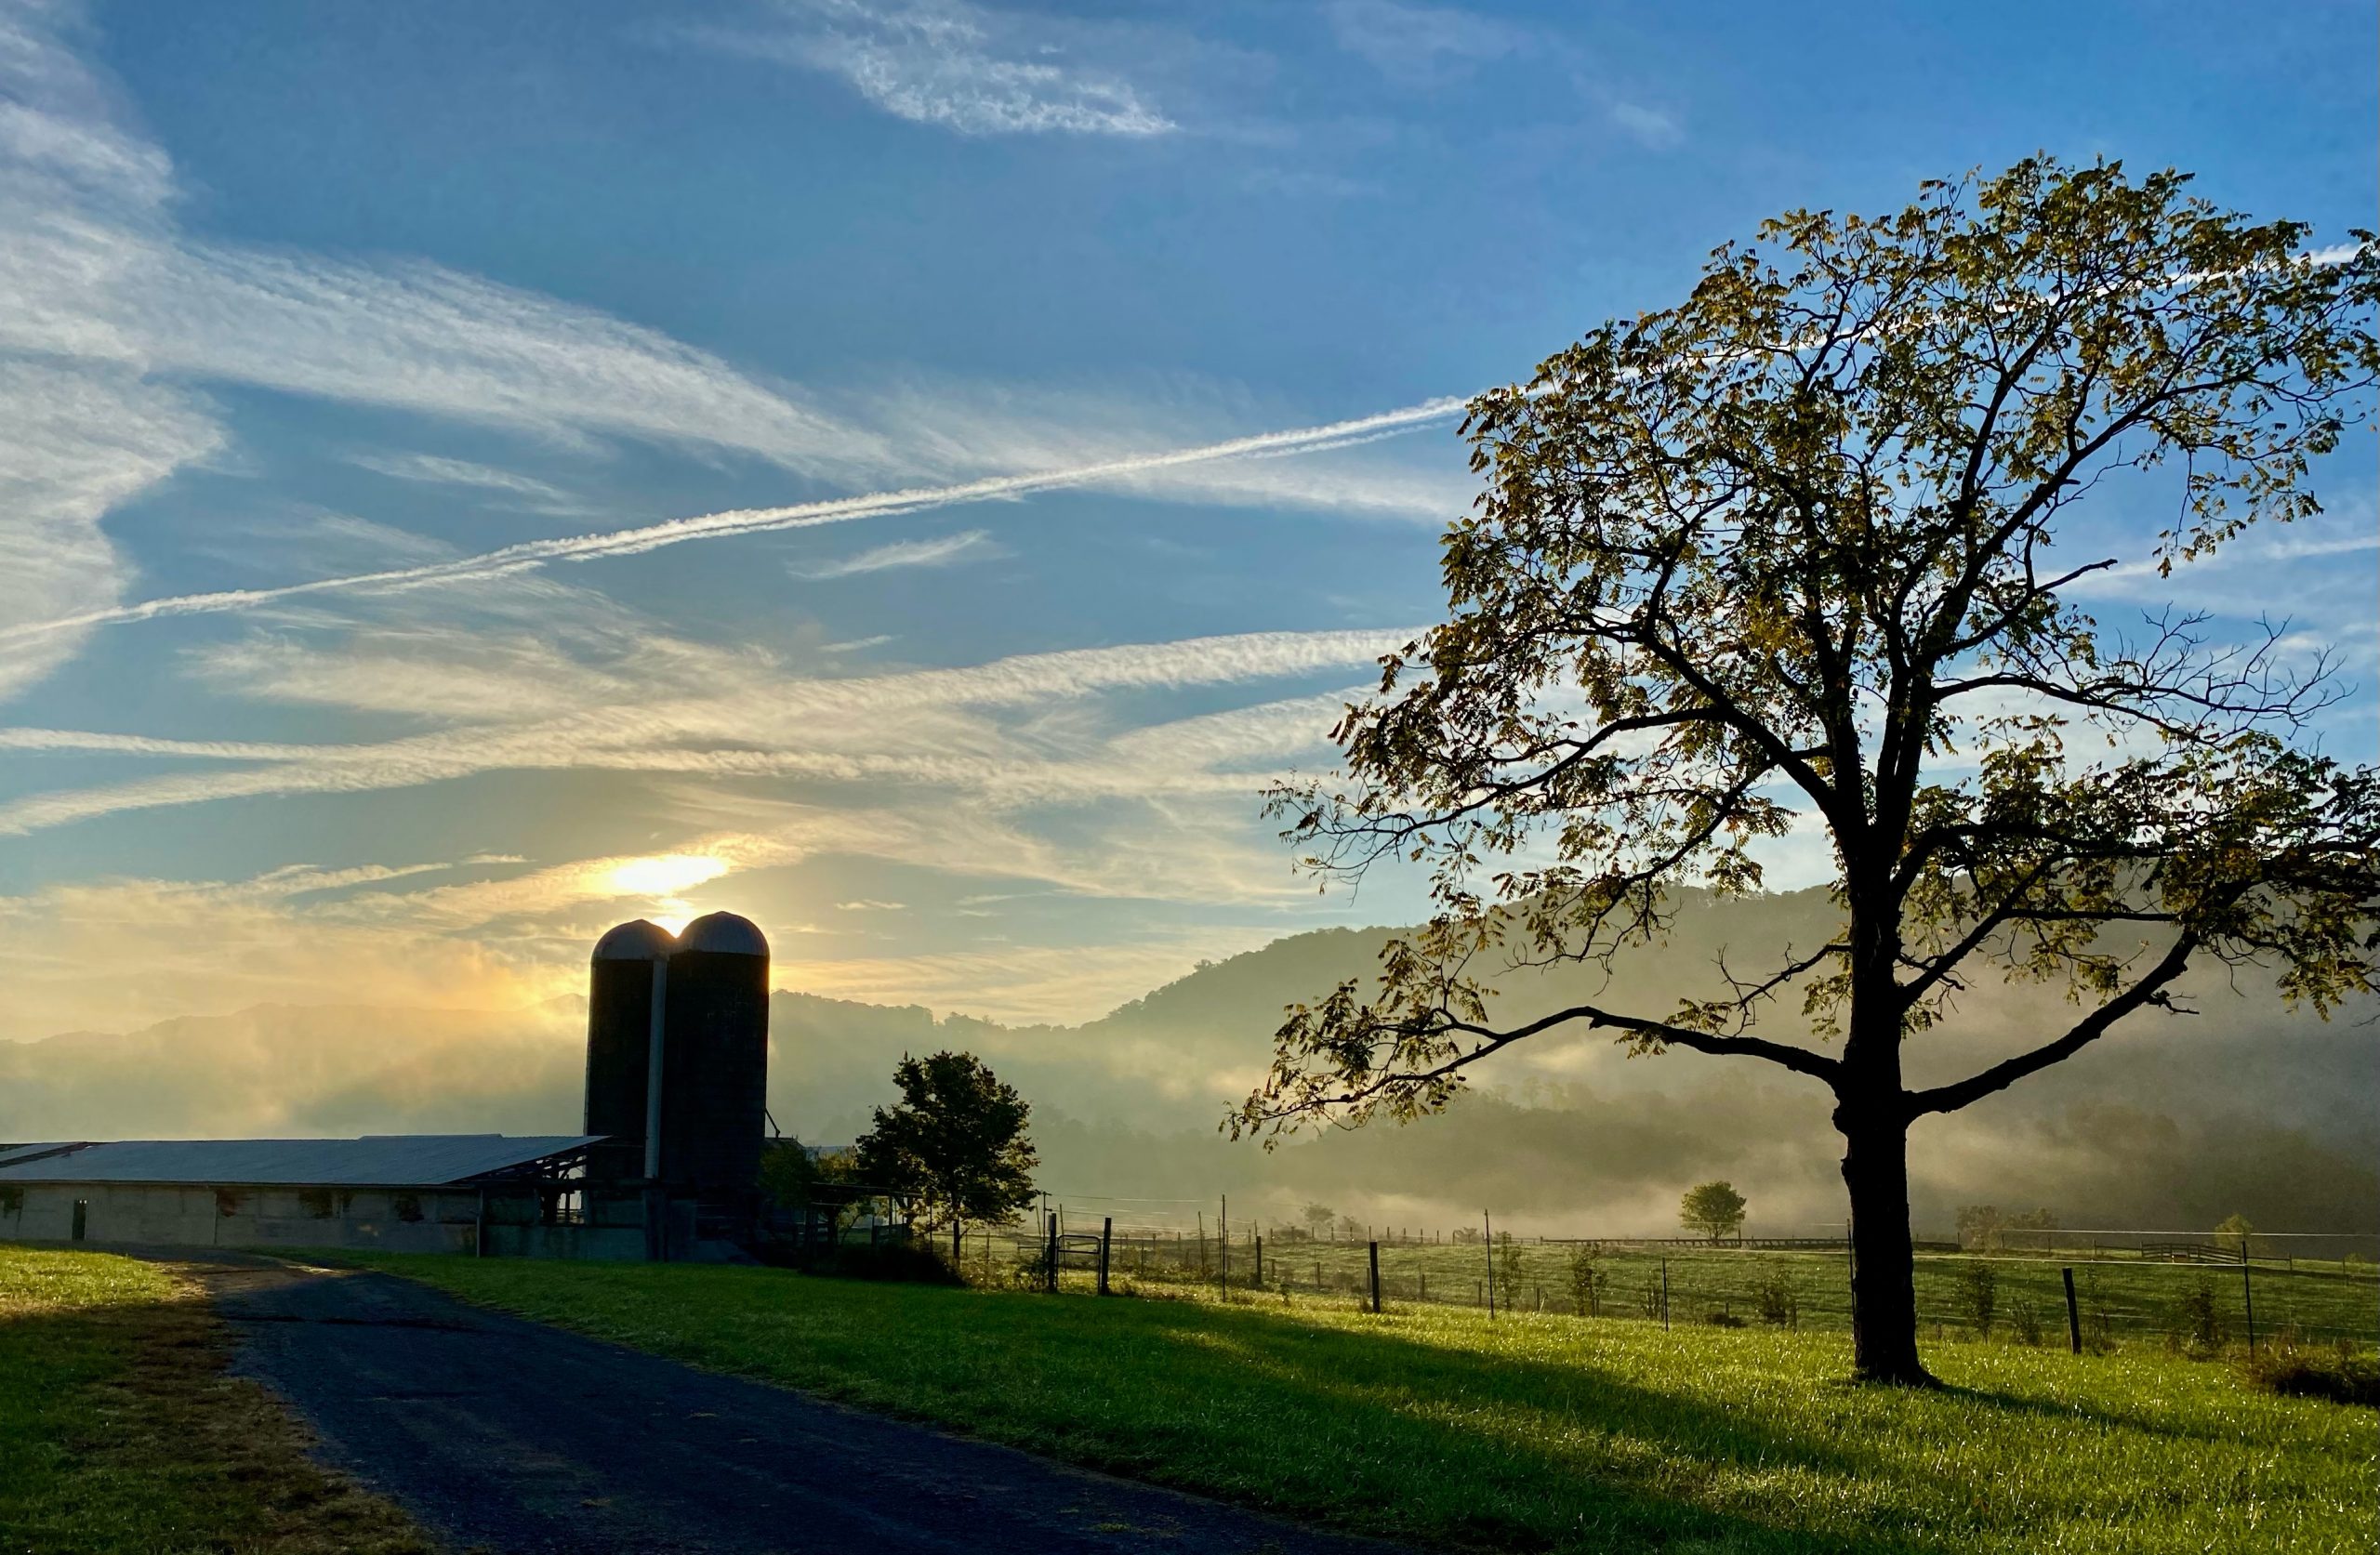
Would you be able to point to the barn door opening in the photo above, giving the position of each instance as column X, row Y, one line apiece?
column 82, row 1217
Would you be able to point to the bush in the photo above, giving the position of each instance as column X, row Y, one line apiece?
column 1587, row 1283
column 2340, row 1372
column 903, row 1262
column 1776, row 1302
column 2196, row 1325
column 1724, row 1319
column 2025, row 1322
column 1979, row 1289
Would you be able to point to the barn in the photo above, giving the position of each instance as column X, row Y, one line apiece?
column 482, row 1194
column 667, row 1165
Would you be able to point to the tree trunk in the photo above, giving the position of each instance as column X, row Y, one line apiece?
column 1884, row 1279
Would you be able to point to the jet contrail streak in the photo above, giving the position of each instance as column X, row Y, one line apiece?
column 753, row 520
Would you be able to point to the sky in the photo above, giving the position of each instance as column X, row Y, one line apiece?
column 907, row 472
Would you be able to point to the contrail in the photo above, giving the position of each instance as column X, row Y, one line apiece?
column 753, row 520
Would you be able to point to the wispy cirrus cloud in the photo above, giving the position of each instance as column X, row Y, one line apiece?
column 529, row 554
column 655, row 706
column 1419, row 44
column 947, row 550
column 970, row 69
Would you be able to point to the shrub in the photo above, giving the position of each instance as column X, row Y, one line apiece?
column 1587, row 1283
column 2024, row 1321
column 1724, row 1319
column 903, row 1262
column 1980, row 1290
column 2340, row 1372
column 2196, row 1325
column 1778, row 1305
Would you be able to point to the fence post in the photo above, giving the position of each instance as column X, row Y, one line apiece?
column 1488, row 1240
column 1375, row 1258
column 2073, row 1315
column 1260, row 1260
column 2247, row 1296
column 1107, row 1240
column 1665, row 1296
column 1053, row 1255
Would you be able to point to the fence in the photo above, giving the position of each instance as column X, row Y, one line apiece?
column 2128, row 1286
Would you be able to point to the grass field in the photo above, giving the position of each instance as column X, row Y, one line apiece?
column 120, row 1432
column 2121, row 1297
column 1533, row 1432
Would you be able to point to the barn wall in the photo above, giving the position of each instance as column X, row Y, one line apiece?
column 430, row 1221
column 126, row 1214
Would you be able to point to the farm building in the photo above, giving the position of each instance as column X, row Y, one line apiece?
column 667, row 1167
column 420, row 1193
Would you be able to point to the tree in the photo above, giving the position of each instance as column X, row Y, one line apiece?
column 956, row 1148
column 1714, row 1210
column 1318, row 1218
column 828, row 1183
column 1784, row 552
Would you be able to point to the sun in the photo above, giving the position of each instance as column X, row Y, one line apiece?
column 665, row 875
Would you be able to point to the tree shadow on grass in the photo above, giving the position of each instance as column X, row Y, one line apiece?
column 1497, row 1436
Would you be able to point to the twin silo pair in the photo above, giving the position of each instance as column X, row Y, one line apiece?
column 677, row 1080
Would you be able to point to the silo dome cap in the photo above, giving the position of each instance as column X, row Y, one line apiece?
column 638, row 941
column 723, row 934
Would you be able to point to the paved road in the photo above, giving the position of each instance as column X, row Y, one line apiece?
column 508, row 1436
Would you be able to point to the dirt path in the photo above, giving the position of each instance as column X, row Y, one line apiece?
column 508, row 1436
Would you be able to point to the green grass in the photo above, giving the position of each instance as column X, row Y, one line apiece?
column 1534, row 1432
column 2121, row 1297
column 120, row 1432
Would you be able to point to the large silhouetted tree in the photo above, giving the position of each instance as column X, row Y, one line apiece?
column 1786, row 548
column 956, row 1148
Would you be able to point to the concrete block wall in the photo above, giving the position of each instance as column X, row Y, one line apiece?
column 426, row 1221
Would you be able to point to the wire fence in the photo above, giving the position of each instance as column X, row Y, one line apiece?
column 2129, row 1285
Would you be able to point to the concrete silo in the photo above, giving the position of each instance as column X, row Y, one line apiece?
column 676, row 1081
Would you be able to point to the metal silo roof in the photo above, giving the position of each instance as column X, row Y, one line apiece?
column 376, row 1161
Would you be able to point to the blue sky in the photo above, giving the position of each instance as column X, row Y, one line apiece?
column 295, row 293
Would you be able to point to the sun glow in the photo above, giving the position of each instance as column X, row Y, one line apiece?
column 664, row 876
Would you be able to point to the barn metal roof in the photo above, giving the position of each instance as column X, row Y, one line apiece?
column 378, row 1160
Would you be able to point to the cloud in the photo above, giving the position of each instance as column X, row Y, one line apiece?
column 948, row 550
column 633, row 541
column 959, row 66
column 429, row 468
column 1648, row 126
column 1416, row 46
column 659, row 705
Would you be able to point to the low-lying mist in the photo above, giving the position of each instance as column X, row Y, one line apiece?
column 2171, row 1123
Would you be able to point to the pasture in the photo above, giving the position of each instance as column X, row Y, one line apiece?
column 2119, row 1296
column 121, row 1433
column 1436, row 1425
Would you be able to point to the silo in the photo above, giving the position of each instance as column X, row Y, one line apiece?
column 715, row 1065
column 619, row 1030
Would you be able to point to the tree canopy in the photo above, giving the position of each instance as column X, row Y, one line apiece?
column 955, row 1147
column 1711, row 1209
column 1786, row 554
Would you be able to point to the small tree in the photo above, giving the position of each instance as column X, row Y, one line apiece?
column 1786, row 553
column 1979, row 1286
column 1318, row 1218
column 1714, row 1210
column 824, row 1183
column 955, row 1149
column 1587, row 1280
column 1980, row 1227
